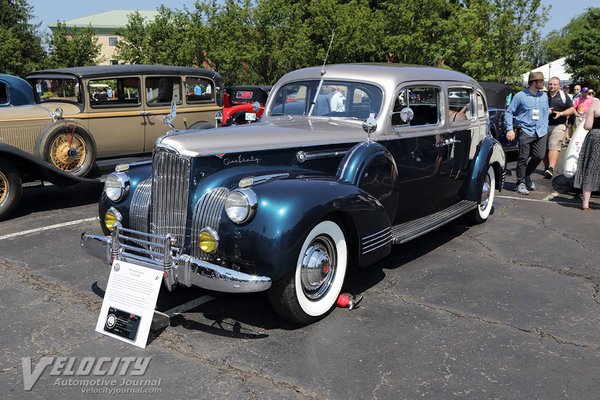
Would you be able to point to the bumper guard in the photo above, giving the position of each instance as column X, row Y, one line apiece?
column 161, row 251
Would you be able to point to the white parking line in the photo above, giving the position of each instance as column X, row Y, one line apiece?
column 544, row 200
column 46, row 228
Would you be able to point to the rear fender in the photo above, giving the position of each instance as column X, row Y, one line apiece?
column 490, row 153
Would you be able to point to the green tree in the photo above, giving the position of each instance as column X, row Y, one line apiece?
column 20, row 45
column 583, row 37
column 495, row 41
column 72, row 47
column 131, row 48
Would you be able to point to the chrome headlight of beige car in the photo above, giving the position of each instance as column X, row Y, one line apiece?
column 241, row 205
column 116, row 186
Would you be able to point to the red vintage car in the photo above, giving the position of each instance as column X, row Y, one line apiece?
column 243, row 104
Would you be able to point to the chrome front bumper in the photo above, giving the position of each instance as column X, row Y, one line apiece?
column 160, row 251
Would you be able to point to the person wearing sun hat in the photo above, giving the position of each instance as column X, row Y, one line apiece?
column 529, row 109
column 581, row 104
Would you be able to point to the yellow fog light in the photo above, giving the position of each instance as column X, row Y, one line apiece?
column 111, row 217
column 208, row 240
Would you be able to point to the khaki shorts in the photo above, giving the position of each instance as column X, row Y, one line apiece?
column 556, row 134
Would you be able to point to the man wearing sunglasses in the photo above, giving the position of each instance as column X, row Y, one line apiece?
column 530, row 110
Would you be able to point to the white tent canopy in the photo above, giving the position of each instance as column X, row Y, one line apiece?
column 554, row 68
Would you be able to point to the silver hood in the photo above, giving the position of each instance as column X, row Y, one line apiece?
column 288, row 132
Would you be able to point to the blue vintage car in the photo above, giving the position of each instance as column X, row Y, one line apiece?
column 15, row 91
column 347, row 161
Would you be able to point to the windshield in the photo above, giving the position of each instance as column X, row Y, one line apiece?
column 342, row 99
column 57, row 89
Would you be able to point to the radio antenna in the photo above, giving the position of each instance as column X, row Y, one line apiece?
column 314, row 100
column 327, row 54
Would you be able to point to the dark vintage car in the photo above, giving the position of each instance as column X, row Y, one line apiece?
column 85, row 117
column 14, row 91
column 498, row 95
column 243, row 104
column 345, row 163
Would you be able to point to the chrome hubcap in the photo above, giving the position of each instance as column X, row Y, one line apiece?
column 485, row 193
column 318, row 267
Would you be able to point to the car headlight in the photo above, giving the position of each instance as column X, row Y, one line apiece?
column 240, row 205
column 116, row 186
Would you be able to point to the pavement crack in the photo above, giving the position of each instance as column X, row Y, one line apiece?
column 535, row 331
column 174, row 341
column 546, row 226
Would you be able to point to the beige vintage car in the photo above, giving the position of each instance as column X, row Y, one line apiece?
column 85, row 116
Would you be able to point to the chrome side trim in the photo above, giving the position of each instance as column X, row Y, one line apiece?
column 375, row 241
column 303, row 156
column 140, row 206
column 207, row 213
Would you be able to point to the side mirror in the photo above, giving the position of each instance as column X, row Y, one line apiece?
column 256, row 106
column 56, row 114
column 407, row 114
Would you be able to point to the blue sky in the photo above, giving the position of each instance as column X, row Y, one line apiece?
column 49, row 11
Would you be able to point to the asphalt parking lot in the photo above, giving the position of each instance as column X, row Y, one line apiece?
column 504, row 310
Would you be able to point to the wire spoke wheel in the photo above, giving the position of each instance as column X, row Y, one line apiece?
column 3, row 187
column 68, row 152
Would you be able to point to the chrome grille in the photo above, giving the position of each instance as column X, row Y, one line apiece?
column 140, row 206
column 207, row 213
column 170, row 190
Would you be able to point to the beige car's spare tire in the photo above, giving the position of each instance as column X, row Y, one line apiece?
column 68, row 147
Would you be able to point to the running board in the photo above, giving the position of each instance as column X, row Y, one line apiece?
column 413, row 229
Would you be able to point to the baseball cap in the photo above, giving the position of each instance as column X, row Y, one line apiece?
column 585, row 90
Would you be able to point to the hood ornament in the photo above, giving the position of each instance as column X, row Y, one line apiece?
column 170, row 117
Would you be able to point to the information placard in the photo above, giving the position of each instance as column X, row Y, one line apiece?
column 129, row 302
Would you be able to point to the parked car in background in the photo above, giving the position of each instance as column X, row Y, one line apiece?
column 14, row 91
column 343, row 165
column 498, row 96
column 243, row 104
column 81, row 117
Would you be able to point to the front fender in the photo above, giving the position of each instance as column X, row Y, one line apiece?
column 138, row 176
column 489, row 153
column 289, row 208
column 32, row 168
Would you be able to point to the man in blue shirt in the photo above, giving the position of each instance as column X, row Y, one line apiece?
column 529, row 108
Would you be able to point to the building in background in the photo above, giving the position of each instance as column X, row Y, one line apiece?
column 104, row 26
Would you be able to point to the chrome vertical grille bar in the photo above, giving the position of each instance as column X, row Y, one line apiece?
column 170, row 190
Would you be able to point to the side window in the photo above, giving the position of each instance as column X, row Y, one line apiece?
column 460, row 104
column 3, row 94
column 291, row 100
column 163, row 90
column 114, row 92
column 199, row 90
column 481, row 106
column 424, row 101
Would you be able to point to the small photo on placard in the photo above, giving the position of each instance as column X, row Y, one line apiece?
column 122, row 323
